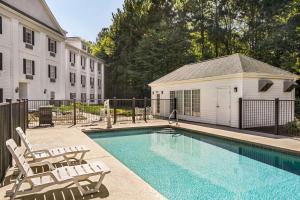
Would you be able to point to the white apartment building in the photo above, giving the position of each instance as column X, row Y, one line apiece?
column 85, row 72
column 34, row 55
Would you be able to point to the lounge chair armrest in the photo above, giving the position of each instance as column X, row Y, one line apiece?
column 37, row 164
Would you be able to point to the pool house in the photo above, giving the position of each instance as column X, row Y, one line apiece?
column 209, row 91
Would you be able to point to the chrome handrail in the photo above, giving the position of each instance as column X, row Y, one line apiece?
column 170, row 122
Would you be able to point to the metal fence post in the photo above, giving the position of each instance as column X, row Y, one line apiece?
column 74, row 111
column 27, row 113
column 145, row 109
column 133, row 110
column 175, row 108
column 115, row 110
column 240, row 113
column 276, row 116
column 10, row 125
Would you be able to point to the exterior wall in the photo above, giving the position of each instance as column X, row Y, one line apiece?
column 263, row 113
column 208, row 98
column 14, row 51
column 247, row 88
column 77, row 69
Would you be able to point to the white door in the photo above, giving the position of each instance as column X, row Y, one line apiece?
column 23, row 91
column 223, row 106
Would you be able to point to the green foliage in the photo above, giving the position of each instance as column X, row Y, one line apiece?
column 150, row 38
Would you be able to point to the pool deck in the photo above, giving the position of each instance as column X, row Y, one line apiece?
column 122, row 183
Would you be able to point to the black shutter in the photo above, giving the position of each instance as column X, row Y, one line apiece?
column 48, row 44
column 32, row 37
column 81, row 60
column 70, row 77
column 33, row 68
column 0, row 25
column 1, row 61
column 55, row 46
column 74, row 78
column 49, row 71
column 70, row 56
column 24, row 66
column 24, row 34
column 55, row 71
column 74, row 58
column 81, row 79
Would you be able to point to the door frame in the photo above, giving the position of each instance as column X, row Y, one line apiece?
column 229, row 91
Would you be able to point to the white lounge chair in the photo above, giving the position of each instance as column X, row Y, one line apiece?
column 37, row 182
column 41, row 154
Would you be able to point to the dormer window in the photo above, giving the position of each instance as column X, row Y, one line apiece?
column 52, row 47
column 72, row 58
column 84, row 47
column 28, row 38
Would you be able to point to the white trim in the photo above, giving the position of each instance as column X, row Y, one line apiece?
column 229, row 76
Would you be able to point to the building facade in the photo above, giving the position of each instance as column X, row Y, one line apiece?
column 85, row 72
column 33, row 54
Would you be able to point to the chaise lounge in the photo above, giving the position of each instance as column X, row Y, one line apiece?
column 67, row 153
column 37, row 182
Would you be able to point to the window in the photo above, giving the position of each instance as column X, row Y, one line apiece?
column 84, row 47
column 72, row 58
column 187, row 102
column 92, row 97
column 172, row 96
column 52, row 95
column 179, row 98
column 83, row 97
column 1, row 61
column 72, row 96
column 83, row 81
column 51, row 46
column 72, row 78
column 83, row 61
column 92, row 65
column 28, row 36
column 28, row 68
column 158, row 103
column 1, row 95
column 196, row 103
column 52, row 73
column 99, row 68
column 92, row 82
column 99, row 83
column 99, row 96
column 0, row 24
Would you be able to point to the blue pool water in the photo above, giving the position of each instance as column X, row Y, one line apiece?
column 184, row 165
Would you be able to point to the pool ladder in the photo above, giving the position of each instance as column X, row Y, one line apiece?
column 170, row 121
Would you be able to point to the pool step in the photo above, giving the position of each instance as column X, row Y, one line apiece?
column 166, row 130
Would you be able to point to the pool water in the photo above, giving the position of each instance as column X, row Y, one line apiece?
column 185, row 165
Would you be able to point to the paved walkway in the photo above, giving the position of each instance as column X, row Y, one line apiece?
column 122, row 183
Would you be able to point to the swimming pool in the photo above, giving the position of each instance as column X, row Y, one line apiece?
column 186, row 165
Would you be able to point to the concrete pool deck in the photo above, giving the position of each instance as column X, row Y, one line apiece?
column 122, row 183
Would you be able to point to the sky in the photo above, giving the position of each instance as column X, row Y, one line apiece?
column 84, row 18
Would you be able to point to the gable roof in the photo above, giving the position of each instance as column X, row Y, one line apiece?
column 37, row 10
column 232, row 64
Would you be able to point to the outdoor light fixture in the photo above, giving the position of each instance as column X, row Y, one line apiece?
column 17, row 89
column 45, row 91
column 235, row 89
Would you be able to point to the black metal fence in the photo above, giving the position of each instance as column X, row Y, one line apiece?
column 12, row 115
column 270, row 116
column 72, row 112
